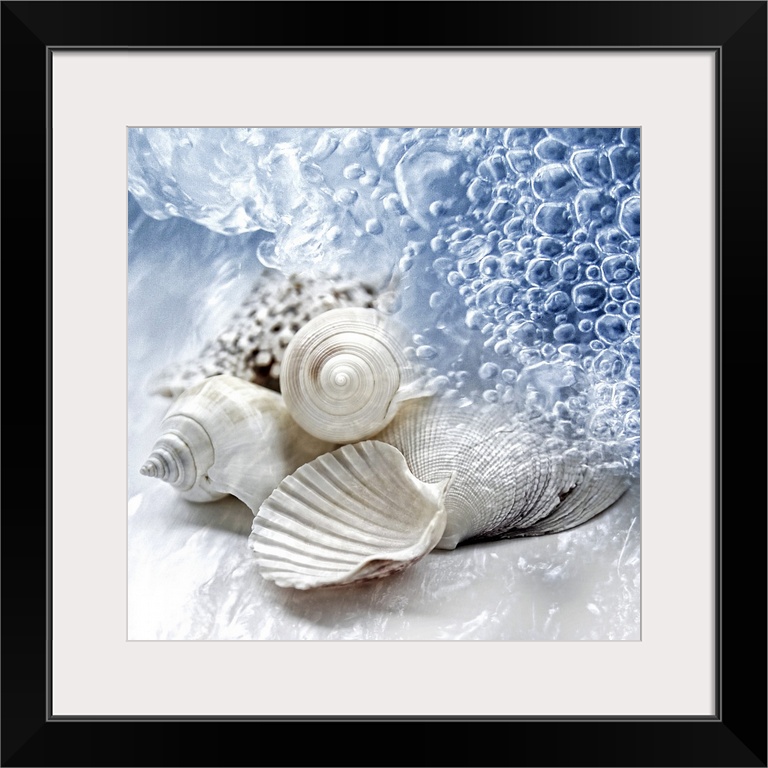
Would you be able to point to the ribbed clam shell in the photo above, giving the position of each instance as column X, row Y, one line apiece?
column 352, row 515
column 505, row 483
column 228, row 436
column 345, row 373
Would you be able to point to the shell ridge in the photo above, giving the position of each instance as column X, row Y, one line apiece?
column 320, row 524
column 337, row 508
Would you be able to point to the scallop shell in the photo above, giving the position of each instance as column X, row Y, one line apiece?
column 352, row 515
column 505, row 483
column 345, row 374
column 227, row 436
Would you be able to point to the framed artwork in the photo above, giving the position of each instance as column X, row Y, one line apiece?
column 475, row 210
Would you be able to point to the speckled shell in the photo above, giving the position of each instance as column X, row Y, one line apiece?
column 227, row 436
column 345, row 374
column 504, row 482
column 352, row 515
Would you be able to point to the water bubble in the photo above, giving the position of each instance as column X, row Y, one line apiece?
column 551, row 150
column 569, row 351
column 353, row 171
column 439, row 384
column 429, row 171
column 611, row 328
column 632, row 423
column 373, row 227
column 603, row 392
column 588, row 204
column 357, row 141
column 557, row 301
column 569, row 270
column 479, row 191
column 468, row 268
column 553, row 183
column 521, row 160
column 618, row 269
column 605, row 423
column 345, row 196
column 609, row 364
column 589, row 296
column 454, row 278
column 503, row 348
column 618, row 293
column 625, row 396
column 488, row 371
column 437, row 300
column 442, row 265
column 438, row 244
column 553, row 219
column 612, row 307
column 629, row 216
column 586, row 164
column 491, row 396
column 585, row 325
column 392, row 204
column 631, row 308
column 586, row 253
column 633, row 286
column 489, row 266
column 426, row 352
column 548, row 350
column 624, row 162
column 630, row 348
column 311, row 172
column 437, row 209
column 509, row 375
column 526, row 332
column 522, row 137
column 326, row 145
column 405, row 263
column 564, row 333
column 630, row 136
column 474, row 319
column 541, row 272
column 592, row 272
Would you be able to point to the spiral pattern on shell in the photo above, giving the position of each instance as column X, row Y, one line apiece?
column 181, row 457
column 345, row 373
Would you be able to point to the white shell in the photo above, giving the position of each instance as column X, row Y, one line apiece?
column 228, row 436
column 345, row 373
column 352, row 515
column 505, row 483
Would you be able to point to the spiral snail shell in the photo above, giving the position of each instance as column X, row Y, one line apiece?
column 345, row 374
column 225, row 436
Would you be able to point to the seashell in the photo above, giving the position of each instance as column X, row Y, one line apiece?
column 252, row 344
column 345, row 374
column 227, row 436
column 437, row 476
column 352, row 515
column 504, row 482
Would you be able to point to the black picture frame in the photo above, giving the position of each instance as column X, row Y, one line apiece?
column 736, row 735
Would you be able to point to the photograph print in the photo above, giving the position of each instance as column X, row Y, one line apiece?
column 384, row 383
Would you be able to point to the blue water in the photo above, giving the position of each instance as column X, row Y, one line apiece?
column 512, row 255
